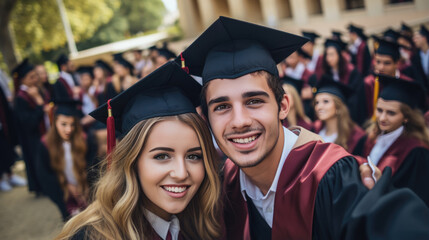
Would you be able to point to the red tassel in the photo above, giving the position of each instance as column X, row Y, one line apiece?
column 111, row 139
column 186, row 69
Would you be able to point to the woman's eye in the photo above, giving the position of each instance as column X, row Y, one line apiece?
column 161, row 156
column 194, row 157
column 325, row 101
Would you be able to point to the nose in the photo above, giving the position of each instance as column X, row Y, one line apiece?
column 382, row 116
column 180, row 170
column 240, row 118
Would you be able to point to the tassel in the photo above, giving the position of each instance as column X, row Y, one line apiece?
column 111, row 139
column 376, row 89
column 186, row 69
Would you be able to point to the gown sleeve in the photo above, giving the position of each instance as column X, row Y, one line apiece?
column 28, row 118
column 414, row 173
column 49, row 181
column 345, row 209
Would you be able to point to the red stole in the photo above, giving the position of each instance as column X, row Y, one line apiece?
column 295, row 195
column 24, row 95
column 396, row 153
column 360, row 57
column 66, row 86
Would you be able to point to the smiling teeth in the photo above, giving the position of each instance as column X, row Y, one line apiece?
column 244, row 140
column 175, row 189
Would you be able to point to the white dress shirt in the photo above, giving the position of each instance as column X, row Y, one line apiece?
column 162, row 227
column 68, row 167
column 265, row 203
column 313, row 63
column 424, row 57
column 384, row 141
column 68, row 78
column 355, row 46
column 328, row 138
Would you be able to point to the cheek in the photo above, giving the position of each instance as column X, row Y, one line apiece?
column 197, row 172
column 149, row 173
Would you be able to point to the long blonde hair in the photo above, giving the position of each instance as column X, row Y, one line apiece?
column 54, row 145
column 297, row 103
column 117, row 212
column 414, row 127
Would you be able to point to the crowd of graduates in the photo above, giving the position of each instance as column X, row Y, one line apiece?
column 369, row 99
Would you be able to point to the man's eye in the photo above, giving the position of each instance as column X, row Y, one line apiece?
column 254, row 101
column 162, row 156
column 220, row 107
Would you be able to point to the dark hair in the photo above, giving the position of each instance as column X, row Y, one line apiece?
column 342, row 63
column 273, row 83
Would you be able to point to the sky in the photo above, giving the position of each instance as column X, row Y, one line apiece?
column 171, row 5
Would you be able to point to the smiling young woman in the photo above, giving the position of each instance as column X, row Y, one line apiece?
column 162, row 181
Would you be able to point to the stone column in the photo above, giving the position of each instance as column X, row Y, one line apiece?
column 300, row 11
column 421, row 4
column 270, row 12
column 189, row 17
column 374, row 7
column 331, row 9
column 207, row 11
column 237, row 9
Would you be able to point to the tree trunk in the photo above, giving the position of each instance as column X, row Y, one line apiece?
column 7, row 46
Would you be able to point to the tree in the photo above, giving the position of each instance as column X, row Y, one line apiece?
column 6, row 41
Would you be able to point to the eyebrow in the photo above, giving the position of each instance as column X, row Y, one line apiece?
column 218, row 100
column 172, row 150
column 194, row 149
column 254, row 94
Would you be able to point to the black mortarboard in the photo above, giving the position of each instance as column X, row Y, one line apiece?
column 338, row 44
column 167, row 91
column 357, row 30
column 406, row 28
column 408, row 92
column 310, row 35
column 165, row 52
column 86, row 70
column 328, row 85
column 387, row 47
column 303, row 54
column 61, row 60
column 336, row 34
column 391, row 34
column 22, row 69
column 231, row 48
column 296, row 83
column 102, row 64
column 424, row 31
column 68, row 108
column 121, row 60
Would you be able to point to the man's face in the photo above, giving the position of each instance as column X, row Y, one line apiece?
column 419, row 40
column 384, row 64
column 245, row 118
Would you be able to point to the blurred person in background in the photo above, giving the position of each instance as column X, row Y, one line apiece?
column 361, row 57
column 89, row 102
column 102, row 75
column 420, row 60
column 64, row 158
column 122, row 78
column 44, row 85
column 66, row 88
column 296, row 116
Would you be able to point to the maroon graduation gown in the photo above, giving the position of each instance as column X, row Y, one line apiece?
column 295, row 196
column 300, row 122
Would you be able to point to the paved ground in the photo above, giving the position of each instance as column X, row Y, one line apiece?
column 25, row 217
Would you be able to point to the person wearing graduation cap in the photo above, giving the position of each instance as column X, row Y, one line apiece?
column 399, row 137
column 309, row 48
column 164, row 55
column 420, row 60
column 66, row 88
column 406, row 30
column 273, row 172
column 162, row 180
column 339, row 69
column 30, row 112
column 122, row 78
column 102, row 75
column 89, row 101
column 64, row 158
column 386, row 61
column 296, row 116
column 334, row 123
column 361, row 56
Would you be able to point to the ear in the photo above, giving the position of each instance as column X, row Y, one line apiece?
column 284, row 107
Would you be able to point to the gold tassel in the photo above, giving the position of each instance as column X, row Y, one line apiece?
column 376, row 89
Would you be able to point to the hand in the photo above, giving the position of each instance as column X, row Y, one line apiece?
column 366, row 175
column 76, row 92
column 35, row 94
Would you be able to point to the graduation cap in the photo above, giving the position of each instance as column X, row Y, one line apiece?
column 310, row 35
column 22, row 69
column 336, row 34
column 303, row 54
column 67, row 108
column 296, row 83
column 61, row 60
column 86, row 70
column 391, row 34
column 167, row 91
column 408, row 92
column 328, row 85
column 117, row 57
column 102, row 64
column 338, row 44
column 406, row 28
column 424, row 31
column 387, row 47
column 358, row 30
column 231, row 48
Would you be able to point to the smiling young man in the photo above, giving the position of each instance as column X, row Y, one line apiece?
column 278, row 183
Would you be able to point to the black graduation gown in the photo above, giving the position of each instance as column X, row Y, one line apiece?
column 61, row 91
column 418, row 67
column 30, row 121
column 8, row 137
column 48, row 178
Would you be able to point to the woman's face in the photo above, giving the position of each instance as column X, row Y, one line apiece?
column 121, row 70
column 324, row 106
column 65, row 126
column 389, row 115
column 170, row 167
column 332, row 57
column 98, row 73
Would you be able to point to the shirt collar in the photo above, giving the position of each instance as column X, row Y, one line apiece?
column 161, row 226
column 247, row 187
column 392, row 136
column 357, row 42
column 23, row 87
column 68, row 78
